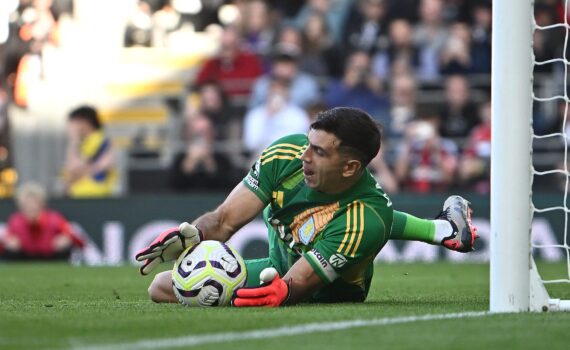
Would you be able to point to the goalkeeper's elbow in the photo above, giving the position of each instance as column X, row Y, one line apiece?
column 160, row 289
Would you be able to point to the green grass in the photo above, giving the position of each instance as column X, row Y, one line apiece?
column 62, row 307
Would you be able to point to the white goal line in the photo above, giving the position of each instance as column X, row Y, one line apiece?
column 268, row 333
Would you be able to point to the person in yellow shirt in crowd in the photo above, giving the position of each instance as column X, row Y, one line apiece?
column 89, row 170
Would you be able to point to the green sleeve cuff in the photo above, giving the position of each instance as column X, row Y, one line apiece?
column 321, row 266
column 251, row 183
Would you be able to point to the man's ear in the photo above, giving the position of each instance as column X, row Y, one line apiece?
column 351, row 168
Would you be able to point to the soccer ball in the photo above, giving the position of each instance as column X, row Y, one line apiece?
column 207, row 274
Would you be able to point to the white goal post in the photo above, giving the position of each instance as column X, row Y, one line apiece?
column 515, row 284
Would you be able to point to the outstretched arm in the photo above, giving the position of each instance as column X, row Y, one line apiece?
column 300, row 282
column 240, row 207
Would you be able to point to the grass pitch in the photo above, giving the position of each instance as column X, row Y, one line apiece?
column 64, row 307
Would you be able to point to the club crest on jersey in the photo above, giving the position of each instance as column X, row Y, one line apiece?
column 307, row 231
column 337, row 260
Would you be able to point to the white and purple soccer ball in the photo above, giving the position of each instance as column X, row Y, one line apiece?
column 207, row 274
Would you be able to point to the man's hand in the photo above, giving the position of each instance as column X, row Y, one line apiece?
column 168, row 245
column 272, row 292
column 12, row 243
column 62, row 242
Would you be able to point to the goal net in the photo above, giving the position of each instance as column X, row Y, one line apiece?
column 516, row 283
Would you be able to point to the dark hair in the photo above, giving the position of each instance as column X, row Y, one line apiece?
column 358, row 133
column 284, row 52
column 88, row 114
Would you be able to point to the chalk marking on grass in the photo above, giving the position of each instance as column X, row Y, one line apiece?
column 211, row 338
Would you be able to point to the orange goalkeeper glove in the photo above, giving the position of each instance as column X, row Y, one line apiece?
column 271, row 293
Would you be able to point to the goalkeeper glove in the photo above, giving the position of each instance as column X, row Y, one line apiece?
column 168, row 246
column 272, row 292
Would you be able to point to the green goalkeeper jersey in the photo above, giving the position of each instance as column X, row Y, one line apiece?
column 339, row 235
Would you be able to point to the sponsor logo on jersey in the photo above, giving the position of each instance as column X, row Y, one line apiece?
column 253, row 183
column 320, row 258
column 326, row 270
column 337, row 260
column 307, row 231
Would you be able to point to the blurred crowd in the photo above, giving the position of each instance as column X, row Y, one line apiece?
column 421, row 68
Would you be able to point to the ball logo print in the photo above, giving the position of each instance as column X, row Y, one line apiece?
column 207, row 274
column 337, row 260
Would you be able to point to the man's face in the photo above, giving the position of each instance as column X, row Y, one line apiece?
column 323, row 164
column 285, row 70
column 31, row 206
column 229, row 46
column 79, row 128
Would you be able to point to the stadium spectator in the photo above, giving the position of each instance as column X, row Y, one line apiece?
column 317, row 52
column 455, row 57
column 459, row 10
column 403, row 9
column 289, row 35
column 200, row 166
column 213, row 102
column 287, row 9
column 366, row 27
column 401, row 56
column 89, row 170
column 275, row 118
column 383, row 173
column 288, row 39
column 35, row 232
column 359, row 88
column 335, row 12
column 475, row 165
column 320, row 57
column 430, row 35
column 426, row 162
column 61, row 8
column 7, row 182
column 40, row 25
column 258, row 27
column 303, row 87
column 139, row 28
column 403, row 95
column 233, row 68
column 458, row 114
column 164, row 21
column 481, row 39
column 547, row 44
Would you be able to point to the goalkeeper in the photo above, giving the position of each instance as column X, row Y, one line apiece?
column 327, row 218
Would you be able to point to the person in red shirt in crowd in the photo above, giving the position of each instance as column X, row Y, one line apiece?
column 426, row 162
column 36, row 232
column 234, row 69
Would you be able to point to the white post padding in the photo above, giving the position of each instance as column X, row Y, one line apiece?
column 511, row 81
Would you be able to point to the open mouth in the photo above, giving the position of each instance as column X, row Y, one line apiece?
column 308, row 172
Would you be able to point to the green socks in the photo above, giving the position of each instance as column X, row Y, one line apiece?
column 410, row 228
